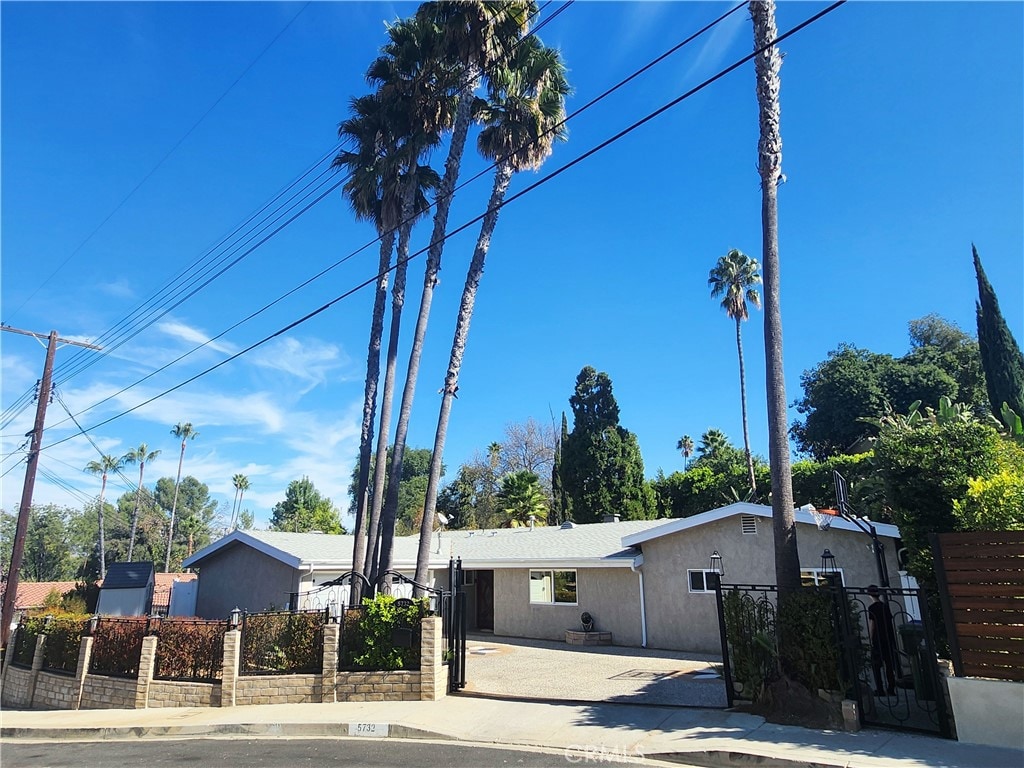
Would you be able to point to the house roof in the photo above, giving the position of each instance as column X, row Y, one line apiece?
column 32, row 594
column 164, row 583
column 128, row 575
column 594, row 544
column 802, row 515
column 590, row 545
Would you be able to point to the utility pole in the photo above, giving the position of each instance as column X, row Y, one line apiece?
column 11, row 592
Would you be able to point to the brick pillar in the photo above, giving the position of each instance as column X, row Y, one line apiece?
column 433, row 673
column 37, row 664
column 147, row 663
column 84, row 657
column 330, row 662
column 229, row 675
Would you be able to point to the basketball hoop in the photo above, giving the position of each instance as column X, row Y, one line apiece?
column 823, row 517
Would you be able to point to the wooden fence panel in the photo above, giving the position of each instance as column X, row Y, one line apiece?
column 981, row 584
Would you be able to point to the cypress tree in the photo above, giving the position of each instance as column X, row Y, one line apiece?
column 1001, row 358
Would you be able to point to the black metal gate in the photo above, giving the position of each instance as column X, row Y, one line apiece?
column 453, row 615
column 878, row 645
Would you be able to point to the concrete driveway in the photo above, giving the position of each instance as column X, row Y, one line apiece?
column 539, row 669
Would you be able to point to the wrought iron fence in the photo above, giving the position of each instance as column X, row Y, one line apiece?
column 25, row 641
column 189, row 649
column 351, row 638
column 117, row 646
column 63, row 641
column 282, row 642
column 381, row 635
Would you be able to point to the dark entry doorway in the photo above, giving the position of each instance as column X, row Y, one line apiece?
column 485, row 601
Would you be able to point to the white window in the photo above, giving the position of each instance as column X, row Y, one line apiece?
column 699, row 581
column 553, row 587
column 813, row 577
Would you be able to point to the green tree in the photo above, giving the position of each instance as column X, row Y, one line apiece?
column 141, row 456
column 523, row 116
column 185, row 432
column 105, row 465
column 996, row 502
column 766, row 68
column 305, row 509
column 470, row 499
column 939, row 342
column 476, row 39
column 48, row 555
column 685, row 447
column 241, row 483
column 1001, row 358
column 602, row 469
column 522, row 498
column 196, row 513
column 560, row 509
column 734, row 278
column 245, row 520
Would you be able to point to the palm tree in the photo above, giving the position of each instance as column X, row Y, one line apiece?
column 734, row 278
column 711, row 442
column 476, row 37
column 105, row 465
column 522, row 118
column 186, row 432
column 766, row 67
column 522, row 498
column 685, row 446
column 140, row 456
column 241, row 483
column 412, row 114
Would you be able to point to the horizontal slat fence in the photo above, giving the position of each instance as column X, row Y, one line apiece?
column 981, row 582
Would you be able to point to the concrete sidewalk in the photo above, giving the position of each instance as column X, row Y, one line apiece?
column 694, row 736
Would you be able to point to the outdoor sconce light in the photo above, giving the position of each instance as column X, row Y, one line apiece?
column 48, row 620
column 234, row 617
column 716, row 563
column 93, row 623
column 828, row 563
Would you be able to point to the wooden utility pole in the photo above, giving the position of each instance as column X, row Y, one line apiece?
column 11, row 591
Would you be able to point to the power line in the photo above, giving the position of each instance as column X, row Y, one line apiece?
column 162, row 160
column 554, row 174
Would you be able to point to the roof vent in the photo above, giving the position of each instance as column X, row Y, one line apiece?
column 748, row 524
column 568, row 524
column 610, row 519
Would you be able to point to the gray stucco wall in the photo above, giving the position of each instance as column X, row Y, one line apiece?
column 610, row 595
column 681, row 620
column 241, row 576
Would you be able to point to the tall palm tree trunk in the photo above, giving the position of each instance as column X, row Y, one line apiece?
column 234, row 510
column 387, row 243
column 452, row 167
column 391, row 363
column 502, row 177
column 743, row 409
column 767, row 66
column 174, row 508
column 135, row 513
column 103, row 542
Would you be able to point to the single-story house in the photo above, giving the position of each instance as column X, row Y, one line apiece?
column 642, row 580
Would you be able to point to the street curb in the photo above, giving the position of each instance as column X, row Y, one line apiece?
column 719, row 758
column 141, row 732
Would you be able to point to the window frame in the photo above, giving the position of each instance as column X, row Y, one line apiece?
column 815, row 574
column 554, row 592
column 689, row 581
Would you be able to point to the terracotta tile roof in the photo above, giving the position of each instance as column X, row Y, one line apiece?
column 32, row 594
column 162, row 589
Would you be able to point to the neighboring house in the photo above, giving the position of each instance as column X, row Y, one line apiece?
column 33, row 594
column 643, row 580
column 127, row 590
column 174, row 594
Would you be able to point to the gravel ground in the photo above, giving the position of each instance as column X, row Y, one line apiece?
column 519, row 668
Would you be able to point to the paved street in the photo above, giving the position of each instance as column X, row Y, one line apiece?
column 295, row 753
column 538, row 669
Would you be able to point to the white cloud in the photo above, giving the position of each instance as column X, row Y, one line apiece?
column 715, row 48
column 120, row 289
column 310, row 361
column 186, row 333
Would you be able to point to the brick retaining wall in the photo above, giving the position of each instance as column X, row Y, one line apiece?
column 55, row 691
column 102, row 692
column 182, row 693
column 400, row 685
column 17, row 681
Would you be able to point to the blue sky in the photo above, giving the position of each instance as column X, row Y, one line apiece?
column 903, row 142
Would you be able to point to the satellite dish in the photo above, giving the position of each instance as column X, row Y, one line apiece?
column 442, row 518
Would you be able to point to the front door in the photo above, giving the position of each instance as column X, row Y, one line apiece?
column 485, row 600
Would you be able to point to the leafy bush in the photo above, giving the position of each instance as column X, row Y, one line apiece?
column 63, row 642
column 750, row 629
column 810, row 652
column 381, row 617
column 190, row 649
column 117, row 646
column 283, row 642
column 25, row 644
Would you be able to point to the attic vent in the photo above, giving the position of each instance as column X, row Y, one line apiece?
column 568, row 524
column 748, row 523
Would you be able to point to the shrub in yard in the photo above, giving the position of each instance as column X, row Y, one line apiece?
column 63, row 641
column 382, row 616
column 189, row 649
